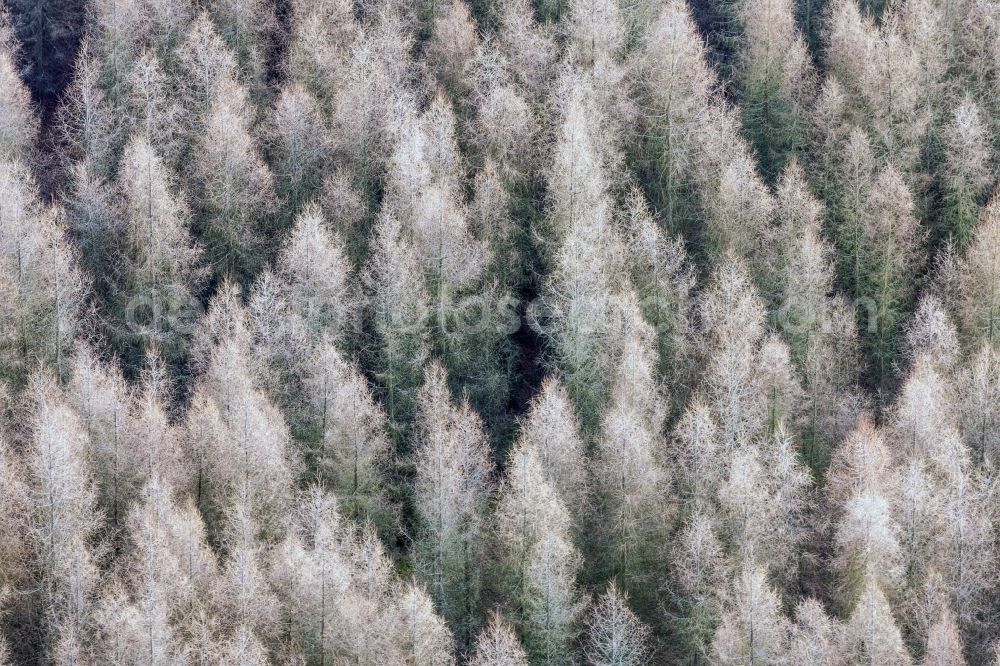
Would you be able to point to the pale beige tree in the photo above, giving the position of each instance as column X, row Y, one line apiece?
column 551, row 429
column 752, row 629
column 697, row 586
column 664, row 280
column 615, row 636
column 18, row 124
column 815, row 637
column 872, row 635
column 63, row 511
column 234, row 185
column 452, row 470
column 452, row 47
column 425, row 637
column 966, row 173
column 354, row 451
column 944, row 643
column 162, row 271
column 44, row 284
column 630, row 476
column 678, row 84
column 498, row 645
column 399, row 306
column 553, row 607
column 979, row 397
column 302, row 148
column 731, row 327
column 975, row 281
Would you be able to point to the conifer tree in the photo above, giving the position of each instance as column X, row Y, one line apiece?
column 944, row 644
column 889, row 260
column 162, row 275
column 63, row 513
column 88, row 123
column 247, row 27
column 497, row 645
column 505, row 123
column 664, row 281
column 680, row 85
column 553, row 607
column 697, row 587
column 533, row 528
column 398, row 305
column 630, row 477
column 247, row 606
column 580, row 293
column 334, row 587
column 762, row 505
column 237, row 436
column 206, row 65
column 551, row 429
column 776, row 82
column 452, row 470
column 452, row 47
column 851, row 178
column 154, row 115
column 146, row 617
column 751, row 629
column 301, row 149
column 697, row 455
column 425, row 191
column 615, row 635
column 861, row 483
column 882, row 66
column 738, row 204
column 966, row 171
column 871, row 635
column 235, row 187
column 16, row 552
column 38, row 272
column 528, row 46
column 979, row 397
column 965, row 550
column 354, row 449
column 314, row 274
column 820, row 329
column 814, row 637
column 18, row 125
column 731, row 322
column 577, row 182
column 974, row 277
column 320, row 34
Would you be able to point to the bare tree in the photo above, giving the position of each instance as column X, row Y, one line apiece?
column 629, row 476
column 18, row 125
column 967, row 170
column 399, row 306
column 44, row 284
column 156, row 292
column 302, row 149
column 751, row 629
column 616, row 637
column 497, row 645
column 452, row 469
column 815, row 637
column 871, row 635
column 235, row 187
column 63, row 511
column 552, row 431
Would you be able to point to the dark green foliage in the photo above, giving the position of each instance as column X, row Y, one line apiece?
column 49, row 32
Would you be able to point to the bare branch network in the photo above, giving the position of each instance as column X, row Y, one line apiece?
column 499, row 332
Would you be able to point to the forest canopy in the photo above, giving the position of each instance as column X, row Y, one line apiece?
column 499, row 332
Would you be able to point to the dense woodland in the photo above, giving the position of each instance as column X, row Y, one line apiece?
column 499, row 332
